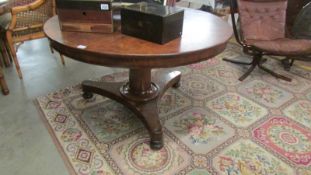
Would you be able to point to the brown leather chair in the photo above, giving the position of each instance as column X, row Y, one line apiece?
column 262, row 32
column 3, row 85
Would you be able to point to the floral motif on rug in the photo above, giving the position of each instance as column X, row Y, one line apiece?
column 199, row 86
column 134, row 156
column 199, row 130
column 212, row 124
column 286, row 138
column 173, row 101
column 300, row 111
column 246, row 158
column 224, row 73
column 265, row 93
column 237, row 109
column 110, row 120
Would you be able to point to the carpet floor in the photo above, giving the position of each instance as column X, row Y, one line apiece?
column 213, row 124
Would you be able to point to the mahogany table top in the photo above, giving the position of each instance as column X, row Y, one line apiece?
column 204, row 36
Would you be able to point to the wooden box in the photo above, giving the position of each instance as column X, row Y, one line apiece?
column 85, row 15
column 152, row 22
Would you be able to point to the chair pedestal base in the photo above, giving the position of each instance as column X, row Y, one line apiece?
column 287, row 63
column 257, row 61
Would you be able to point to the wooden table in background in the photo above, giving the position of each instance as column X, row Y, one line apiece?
column 204, row 36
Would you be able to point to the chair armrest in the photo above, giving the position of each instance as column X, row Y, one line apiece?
column 22, row 8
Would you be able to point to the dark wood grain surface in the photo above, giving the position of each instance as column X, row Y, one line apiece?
column 204, row 36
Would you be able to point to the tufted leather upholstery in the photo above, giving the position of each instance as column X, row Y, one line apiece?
column 263, row 26
column 262, row 20
column 283, row 46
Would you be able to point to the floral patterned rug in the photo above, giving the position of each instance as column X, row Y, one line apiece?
column 213, row 124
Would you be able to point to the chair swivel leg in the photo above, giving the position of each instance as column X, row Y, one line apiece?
column 237, row 62
column 274, row 74
column 287, row 63
column 263, row 60
column 256, row 60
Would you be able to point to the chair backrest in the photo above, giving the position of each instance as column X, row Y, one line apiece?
column 34, row 15
column 262, row 19
column 46, row 8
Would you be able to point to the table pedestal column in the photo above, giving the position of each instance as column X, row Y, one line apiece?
column 140, row 95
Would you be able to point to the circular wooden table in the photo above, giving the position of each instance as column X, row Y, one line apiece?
column 204, row 36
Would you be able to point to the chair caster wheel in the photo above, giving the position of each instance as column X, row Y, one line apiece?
column 87, row 95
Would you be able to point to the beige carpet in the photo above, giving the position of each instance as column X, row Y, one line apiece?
column 213, row 124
